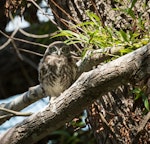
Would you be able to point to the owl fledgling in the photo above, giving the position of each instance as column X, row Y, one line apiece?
column 57, row 70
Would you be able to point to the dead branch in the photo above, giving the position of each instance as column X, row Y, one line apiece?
column 33, row 35
column 95, row 57
column 9, row 38
column 15, row 113
column 33, row 94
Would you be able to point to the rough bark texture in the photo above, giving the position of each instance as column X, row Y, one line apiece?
column 75, row 12
column 90, row 85
column 116, row 118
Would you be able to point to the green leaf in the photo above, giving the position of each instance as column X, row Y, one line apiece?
column 126, row 50
column 124, row 35
column 130, row 11
column 133, row 3
column 146, row 102
column 94, row 18
column 137, row 92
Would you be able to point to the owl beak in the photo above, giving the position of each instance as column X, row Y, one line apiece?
column 59, row 51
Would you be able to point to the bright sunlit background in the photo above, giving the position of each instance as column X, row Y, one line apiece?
column 19, row 22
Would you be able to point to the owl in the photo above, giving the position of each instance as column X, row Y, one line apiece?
column 57, row 70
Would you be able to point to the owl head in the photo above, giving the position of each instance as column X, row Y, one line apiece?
column 58, row 48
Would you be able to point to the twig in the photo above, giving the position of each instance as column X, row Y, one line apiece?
column 109, row 128
column 56, row 15
column 9, row 38
column 31, row 52
column 6, row 117
column 144, row 122
column 30, row 62
column 33, row 94
column 15, row 112
column 18, row 39
column 95, row 57
column 29, row 42
column 34, row 35
column 16, row 49
column 50, row 17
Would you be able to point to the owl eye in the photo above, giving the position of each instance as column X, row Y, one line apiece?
column 65, row 50
column 52, row 50
column 58, row 48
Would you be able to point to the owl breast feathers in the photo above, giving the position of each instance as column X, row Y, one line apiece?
column 57, row 69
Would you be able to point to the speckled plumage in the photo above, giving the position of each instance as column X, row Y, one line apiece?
column 57, row 70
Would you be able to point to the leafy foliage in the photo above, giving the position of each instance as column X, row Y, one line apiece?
column 75, row 132
column 93, row 34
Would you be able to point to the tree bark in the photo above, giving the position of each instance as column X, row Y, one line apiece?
column 89, row 86
column 74, row 11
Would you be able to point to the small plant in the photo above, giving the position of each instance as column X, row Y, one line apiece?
column 139, row 93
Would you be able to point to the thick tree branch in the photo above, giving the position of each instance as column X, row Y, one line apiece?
column 92, row 58
column 35, row 93
column 95, row 57
column 89, row 86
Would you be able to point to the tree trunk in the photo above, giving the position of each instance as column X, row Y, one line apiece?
column 115, row 116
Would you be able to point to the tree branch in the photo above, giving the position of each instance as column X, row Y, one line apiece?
column 95, row 57
column 35, row 93
column 9, row 38
column 92, row 58
column 16, row 113
column 89, row 86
